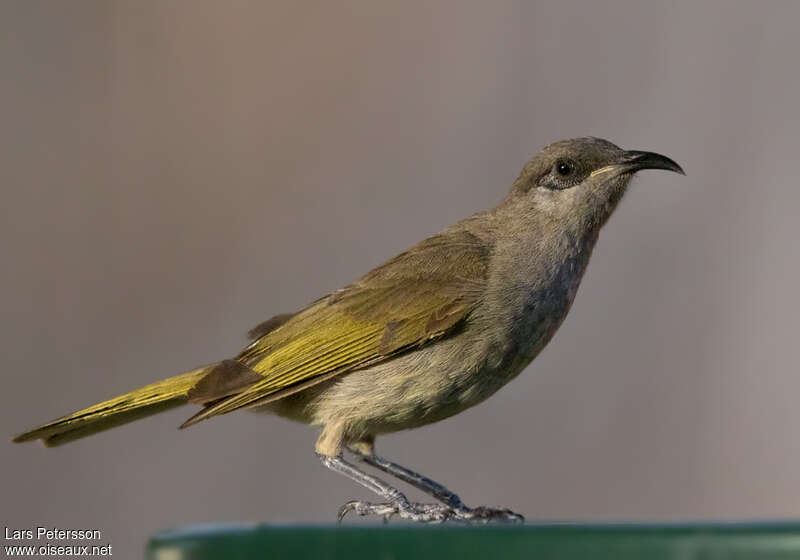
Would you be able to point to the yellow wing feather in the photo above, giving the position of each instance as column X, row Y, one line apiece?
column 411, row 300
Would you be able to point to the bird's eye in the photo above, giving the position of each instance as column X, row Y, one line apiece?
column 564, row 168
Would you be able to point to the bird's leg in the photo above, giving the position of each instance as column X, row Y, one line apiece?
column 397, row 503
column 460, row 511
column 415, row 479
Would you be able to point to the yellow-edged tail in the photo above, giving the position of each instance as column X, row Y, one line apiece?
column 151, row 399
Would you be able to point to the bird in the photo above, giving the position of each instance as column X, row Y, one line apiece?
column 428, row 334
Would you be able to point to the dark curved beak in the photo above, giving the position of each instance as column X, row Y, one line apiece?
column 634, row 160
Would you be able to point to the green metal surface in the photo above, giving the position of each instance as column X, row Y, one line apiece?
column 562, row 541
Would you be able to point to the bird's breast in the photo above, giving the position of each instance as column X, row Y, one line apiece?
column 533, row 296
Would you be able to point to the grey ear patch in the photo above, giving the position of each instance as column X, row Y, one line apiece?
column 268, row 326
column 229, row 377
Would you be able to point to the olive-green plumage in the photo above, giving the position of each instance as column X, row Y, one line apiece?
column 150, row 399
column 429, row 333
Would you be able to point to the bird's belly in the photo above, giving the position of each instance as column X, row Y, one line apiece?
column 410, row 390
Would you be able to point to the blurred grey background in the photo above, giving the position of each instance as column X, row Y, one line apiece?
column 173, row 173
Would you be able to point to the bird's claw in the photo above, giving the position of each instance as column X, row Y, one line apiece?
column 430, row 513
column 484, row 514
column 424, row 513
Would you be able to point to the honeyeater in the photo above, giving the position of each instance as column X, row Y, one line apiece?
column 429, row 333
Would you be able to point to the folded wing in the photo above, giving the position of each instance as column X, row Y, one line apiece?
column 416, row 298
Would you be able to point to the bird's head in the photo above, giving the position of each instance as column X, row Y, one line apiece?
column 581, row 180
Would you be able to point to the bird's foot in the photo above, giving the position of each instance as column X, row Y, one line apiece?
column 430, row 513
column 423, row 513
column 483, row 514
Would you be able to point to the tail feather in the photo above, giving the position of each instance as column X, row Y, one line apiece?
column 145, row 401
